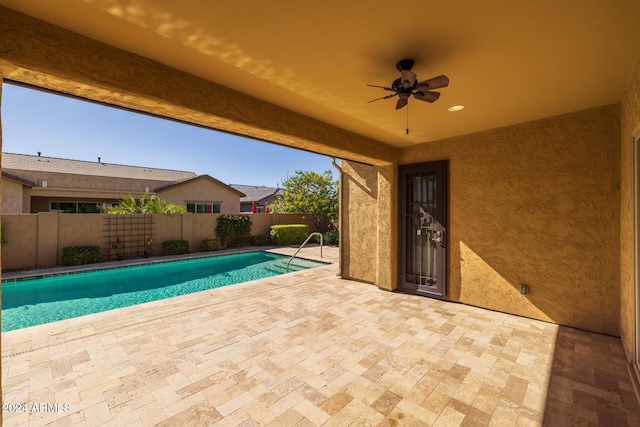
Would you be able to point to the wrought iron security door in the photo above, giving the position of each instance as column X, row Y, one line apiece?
column 424, row 232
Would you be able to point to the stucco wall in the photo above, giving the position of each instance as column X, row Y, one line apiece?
column 12, row 196
column 536, row 204
column 202, row 190
column 369, row 224
column 359, row 221
column 630, row 120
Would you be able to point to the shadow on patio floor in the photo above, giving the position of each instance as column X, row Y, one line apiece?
column 589, row 384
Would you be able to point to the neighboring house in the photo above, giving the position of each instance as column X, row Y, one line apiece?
column 257, row 198
column 47, row 184
column 15, row 193
column 202, row 194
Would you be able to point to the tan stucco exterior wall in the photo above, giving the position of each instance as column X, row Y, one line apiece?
column 12, row 196
column 387, row 228
column 536, row 204
column 202, row 190
column 369, row 224
column 630, row 120
column 359, row 221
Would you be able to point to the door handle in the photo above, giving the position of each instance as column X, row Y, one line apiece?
column 438, row 237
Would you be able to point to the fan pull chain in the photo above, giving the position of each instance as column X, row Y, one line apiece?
column 407, row 119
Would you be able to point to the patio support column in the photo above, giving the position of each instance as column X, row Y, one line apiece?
column 387, row 228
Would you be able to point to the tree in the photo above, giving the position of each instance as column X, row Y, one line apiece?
column 146, row 205
column 313, row 195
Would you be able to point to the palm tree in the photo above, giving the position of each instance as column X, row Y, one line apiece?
column 146, row 205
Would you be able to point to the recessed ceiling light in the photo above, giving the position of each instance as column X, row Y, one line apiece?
column 456, row 107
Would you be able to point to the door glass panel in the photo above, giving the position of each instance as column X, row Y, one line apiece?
column 420, row 211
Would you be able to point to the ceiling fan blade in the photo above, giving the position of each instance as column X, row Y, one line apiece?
column 408, row 78
column 383, row 97
column 434, row 83
column 382, row 87
column 402, row 102
column 427, row 96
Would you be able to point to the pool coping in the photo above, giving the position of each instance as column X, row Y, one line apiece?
column 17, row 276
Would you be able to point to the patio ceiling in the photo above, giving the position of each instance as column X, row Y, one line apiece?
column 508, row 62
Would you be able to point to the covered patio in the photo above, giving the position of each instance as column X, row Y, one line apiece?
column 312, row 349
column 526, row 202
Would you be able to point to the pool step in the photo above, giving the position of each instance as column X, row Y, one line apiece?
column 280, row 269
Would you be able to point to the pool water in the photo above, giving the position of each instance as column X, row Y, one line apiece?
column 34, row 301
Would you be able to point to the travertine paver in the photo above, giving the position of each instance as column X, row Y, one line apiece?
column 311, row 349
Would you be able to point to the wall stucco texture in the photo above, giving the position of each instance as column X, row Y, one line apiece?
column 630, row 119
column 536, row 204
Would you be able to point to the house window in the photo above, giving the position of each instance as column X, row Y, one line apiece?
column 64, row 207
column 89, row 207
column 208, row 207
column 80, row 207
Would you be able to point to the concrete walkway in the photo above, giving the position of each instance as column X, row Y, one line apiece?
column 311, row 349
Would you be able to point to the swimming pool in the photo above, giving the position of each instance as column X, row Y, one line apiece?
column 34, row 301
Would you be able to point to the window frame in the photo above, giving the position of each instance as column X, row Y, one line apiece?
column 204, row 207
column 104, row 206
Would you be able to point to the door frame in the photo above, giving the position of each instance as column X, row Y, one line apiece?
column 443, row 167
column 635, row 150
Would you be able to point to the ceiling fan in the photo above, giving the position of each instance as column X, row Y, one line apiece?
column 407, row 84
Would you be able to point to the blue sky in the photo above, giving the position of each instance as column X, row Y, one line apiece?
column 64, row 127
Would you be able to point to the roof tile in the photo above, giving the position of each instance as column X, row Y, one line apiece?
column 82, row 167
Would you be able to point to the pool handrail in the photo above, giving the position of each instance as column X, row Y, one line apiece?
column 315, row 233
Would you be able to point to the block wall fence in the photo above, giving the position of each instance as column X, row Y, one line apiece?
column 36, row 240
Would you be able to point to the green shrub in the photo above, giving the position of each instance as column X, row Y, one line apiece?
column 331, row 237
column 79, row 255
column 175, row 247
column 260, row 240
column 289, row 234
column 233, row 230
column 210, row 245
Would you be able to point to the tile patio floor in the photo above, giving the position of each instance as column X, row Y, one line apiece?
column 311, row 349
